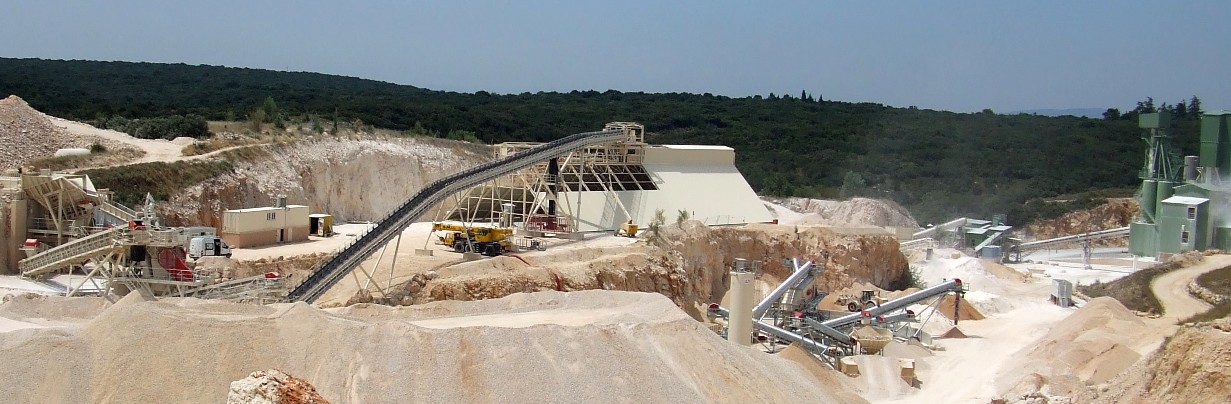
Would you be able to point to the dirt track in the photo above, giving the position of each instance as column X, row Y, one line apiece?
column 155, row 149
column 1172, row 288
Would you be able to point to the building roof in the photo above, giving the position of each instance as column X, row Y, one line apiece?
column 1000, row 228
column 694, row 147
column 1186, row 200
column 265, row 208
column 978, row 222
column 976, row 231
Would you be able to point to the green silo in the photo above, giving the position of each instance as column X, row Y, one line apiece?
column 1165, row 190
column 1215, row 143
column 1149, row 200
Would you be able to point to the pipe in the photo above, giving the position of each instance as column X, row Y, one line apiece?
column 800, row 273
column 901, row 302
column 739, row 324
column 1190, row 168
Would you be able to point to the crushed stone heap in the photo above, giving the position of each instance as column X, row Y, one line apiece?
column 587, row 346
column 27, row 134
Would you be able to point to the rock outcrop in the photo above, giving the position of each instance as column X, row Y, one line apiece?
column 273, row 386
column 689, row 265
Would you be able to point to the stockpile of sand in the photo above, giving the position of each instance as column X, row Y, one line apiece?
column 1089, row 347
column 590, row 346
column 964, row 309
column 1194, row 366
column 985, row 280
column 853, row 212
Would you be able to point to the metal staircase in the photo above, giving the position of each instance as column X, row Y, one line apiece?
column 69, row 253
column 121, row 213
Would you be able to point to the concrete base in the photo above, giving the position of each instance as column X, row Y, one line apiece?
column 423, row 252
column 471, row 256
column 848, row 366
column 908, row 371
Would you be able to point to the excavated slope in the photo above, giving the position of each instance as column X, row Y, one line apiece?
column 352, row 179
column 689, row 265
column 1194, row 366
column 1113, row 214
column 590, row 346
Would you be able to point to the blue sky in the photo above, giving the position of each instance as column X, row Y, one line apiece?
column 961, row 56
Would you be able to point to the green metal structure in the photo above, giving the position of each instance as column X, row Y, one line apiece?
column 1178, row 215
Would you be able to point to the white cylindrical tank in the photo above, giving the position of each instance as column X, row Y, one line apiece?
column 739, row 326
column 72, row 152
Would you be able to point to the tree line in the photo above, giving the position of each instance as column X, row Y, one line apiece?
column 938, row 164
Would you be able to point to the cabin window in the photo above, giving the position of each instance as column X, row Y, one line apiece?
column 271, row 215
column 1184, row 237
column 1192, row 212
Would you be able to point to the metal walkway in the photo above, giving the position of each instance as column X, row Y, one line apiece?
column 121, row 214
column 70, row 253
column 341, row 263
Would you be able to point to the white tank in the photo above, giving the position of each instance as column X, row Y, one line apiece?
column 72, row 152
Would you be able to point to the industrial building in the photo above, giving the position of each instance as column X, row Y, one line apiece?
column 1184, row 205
column 253, row 227
column 599, row 188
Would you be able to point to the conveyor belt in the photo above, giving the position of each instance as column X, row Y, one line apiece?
column 338, row 265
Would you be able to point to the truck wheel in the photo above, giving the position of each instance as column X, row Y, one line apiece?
column 852, row 307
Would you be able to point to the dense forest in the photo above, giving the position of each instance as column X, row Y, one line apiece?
column 938, row 164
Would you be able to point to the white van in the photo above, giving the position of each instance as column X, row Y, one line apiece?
column 208, row 246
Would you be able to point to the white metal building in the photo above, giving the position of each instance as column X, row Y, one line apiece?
column 600, row 188
column 262, row 226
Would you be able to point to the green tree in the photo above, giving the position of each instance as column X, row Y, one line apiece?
column 852, row 185
column 1111, row 114
column 681, row 217
column 1194, row 107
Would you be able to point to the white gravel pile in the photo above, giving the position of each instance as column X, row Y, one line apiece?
column 589, row 346
column 26, row 134
column 856, row 211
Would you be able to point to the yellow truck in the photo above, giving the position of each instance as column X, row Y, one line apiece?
column 489, row 241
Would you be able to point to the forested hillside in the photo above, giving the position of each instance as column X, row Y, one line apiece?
column 938, row 164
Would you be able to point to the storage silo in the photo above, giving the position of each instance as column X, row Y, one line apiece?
column 1214, row 131
column 1222, row 238
column 1149, row 199
column 1213, row 151
column 1165, row 190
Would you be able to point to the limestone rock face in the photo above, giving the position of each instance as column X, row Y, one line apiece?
column 689, row 264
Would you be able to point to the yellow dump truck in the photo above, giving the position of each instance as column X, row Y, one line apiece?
column 490, row 241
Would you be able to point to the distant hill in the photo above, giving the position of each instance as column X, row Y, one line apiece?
column 938, row 164
column 1096, row 113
